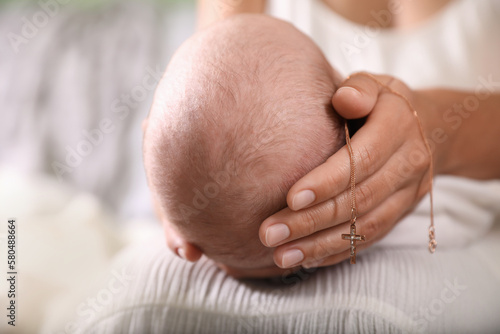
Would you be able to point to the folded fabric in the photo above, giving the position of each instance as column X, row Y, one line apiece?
column 464, row 211
column 387, row 291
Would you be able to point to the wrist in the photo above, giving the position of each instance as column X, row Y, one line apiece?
column 430, row 107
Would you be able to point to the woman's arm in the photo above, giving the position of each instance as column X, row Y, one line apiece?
column 210, row 11
column 464, row 128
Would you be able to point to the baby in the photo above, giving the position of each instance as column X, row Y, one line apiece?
column 243, row 111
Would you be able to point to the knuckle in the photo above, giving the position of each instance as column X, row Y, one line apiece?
column 418, row 194
column 322, row 248
column 425, row 162
column 314, row 219
column 365, row 198
column 367, row 155
column 420, row 159
column 400, row 87
column 330, row 181
column 310, row 222
column 424, row 188
column 370, row 228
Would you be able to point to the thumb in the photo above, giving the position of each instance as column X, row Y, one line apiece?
column 358, row 94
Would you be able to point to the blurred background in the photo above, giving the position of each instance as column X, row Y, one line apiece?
column 69, row 67
column 77, row 78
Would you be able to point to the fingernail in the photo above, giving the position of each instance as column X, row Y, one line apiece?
column 292, row 257
column 181, row 253
column 303, row 199
column 349, row 91
column 276, row 233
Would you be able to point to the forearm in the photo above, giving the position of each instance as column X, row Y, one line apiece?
column 210, row 11
column 463, row 129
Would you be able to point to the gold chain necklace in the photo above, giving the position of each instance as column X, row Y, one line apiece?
column 352, row 236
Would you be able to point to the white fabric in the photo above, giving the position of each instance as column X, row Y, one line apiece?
column 388, row 291
column 464, row 211
column 454, row 48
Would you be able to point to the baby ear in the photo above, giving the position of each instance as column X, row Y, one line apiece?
column 185, row 250
column 189, row 252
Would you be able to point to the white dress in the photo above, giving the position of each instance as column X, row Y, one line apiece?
column 454, row 48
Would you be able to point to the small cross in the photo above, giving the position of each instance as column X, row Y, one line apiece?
column 353, row 237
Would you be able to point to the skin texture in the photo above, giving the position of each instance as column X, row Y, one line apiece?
column 405, row 13
column 253, row 129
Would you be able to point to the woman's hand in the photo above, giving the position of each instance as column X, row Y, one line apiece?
column 392, row 175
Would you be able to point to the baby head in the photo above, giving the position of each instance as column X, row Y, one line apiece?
column 243, row 111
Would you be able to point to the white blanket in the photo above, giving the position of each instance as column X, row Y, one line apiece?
column 464, row 211
column 387, row 291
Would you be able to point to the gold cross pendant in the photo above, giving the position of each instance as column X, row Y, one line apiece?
column 353, row 237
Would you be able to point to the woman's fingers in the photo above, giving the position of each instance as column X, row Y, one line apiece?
column 357, row 95
column 370, row 153
column 387, row 159
column 288, row 225
column 327, row 247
